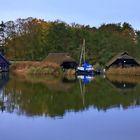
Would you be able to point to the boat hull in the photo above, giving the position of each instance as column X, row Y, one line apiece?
column 80, row 72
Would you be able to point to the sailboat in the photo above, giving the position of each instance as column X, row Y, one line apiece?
column 85, row 68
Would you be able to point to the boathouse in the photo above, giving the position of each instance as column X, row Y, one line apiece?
column 122, row 60
column 4, row 64
column 62, row 59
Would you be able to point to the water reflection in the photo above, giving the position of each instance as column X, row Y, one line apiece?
column 124, row 82
column 69, row 79
column 124, row 85
column 4, row 77
column 49, row 96
column 85, row 78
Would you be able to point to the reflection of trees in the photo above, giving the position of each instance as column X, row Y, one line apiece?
column 24, row 97
column 38, row 99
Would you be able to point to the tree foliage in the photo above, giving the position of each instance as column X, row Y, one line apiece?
column 33, row 39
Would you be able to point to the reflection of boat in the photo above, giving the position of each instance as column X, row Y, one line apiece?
column 85, row 68
column 85, row 78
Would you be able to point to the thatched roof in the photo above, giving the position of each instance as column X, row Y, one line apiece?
column 59, row 58
column 122, row 55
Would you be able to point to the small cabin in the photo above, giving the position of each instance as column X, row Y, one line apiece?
column 122, row 60
column 4, row 64
column 64, row 60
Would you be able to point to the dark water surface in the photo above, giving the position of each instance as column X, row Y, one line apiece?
column 34, row 108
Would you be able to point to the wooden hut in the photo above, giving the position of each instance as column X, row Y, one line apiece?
column 4, row 64
column 122, row 60
column 62, row 59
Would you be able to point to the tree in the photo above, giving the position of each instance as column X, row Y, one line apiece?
column 2, row 37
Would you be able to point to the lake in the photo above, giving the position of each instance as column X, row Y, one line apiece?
column 69, row 108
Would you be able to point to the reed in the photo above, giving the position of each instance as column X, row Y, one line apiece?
column 35, row 68
column 134, row 71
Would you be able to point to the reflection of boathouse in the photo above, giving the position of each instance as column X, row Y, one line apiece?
column 123, row 82
column 124, row 85
column 4, row 77
column 122, row 60
column 62, row 59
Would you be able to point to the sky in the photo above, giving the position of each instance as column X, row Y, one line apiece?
column 86, row 12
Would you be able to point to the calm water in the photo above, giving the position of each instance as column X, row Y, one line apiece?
column 33, row 108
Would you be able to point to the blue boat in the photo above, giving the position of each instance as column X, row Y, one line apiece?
column 85, row 69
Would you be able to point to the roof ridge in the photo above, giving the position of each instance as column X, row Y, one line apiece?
column 118, row 56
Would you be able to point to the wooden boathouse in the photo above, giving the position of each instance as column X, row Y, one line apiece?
column 4, row 64
column 64, row 60
column 122, row 60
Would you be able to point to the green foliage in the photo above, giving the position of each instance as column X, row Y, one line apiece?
column 33, row 39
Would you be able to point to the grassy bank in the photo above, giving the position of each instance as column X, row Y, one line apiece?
column 35, row 68
column 39, row 68
column 124, row 71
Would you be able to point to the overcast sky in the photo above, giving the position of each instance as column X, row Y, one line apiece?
column 88, row 12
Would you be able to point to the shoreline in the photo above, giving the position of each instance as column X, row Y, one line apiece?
column 42, row 68
column 132, row 71
column 39, row 68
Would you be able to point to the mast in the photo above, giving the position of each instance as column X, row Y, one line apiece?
column 80, row 62
column 84, row 49
column 83, row 54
